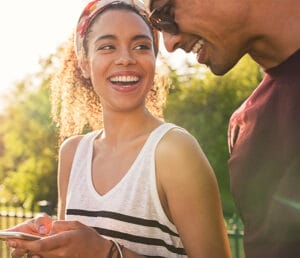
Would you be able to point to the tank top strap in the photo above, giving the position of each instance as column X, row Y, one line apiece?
column 157, row 134
column 82, row 158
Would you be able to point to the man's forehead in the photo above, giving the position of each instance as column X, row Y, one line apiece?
column 151, row 4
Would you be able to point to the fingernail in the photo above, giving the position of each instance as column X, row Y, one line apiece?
column 42, row 230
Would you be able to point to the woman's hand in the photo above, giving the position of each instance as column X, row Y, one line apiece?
column 67, row 239
column 40, row 225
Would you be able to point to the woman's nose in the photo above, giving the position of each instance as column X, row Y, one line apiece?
column 125, row 58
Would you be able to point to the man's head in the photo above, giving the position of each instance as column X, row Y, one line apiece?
column 212, row 29
column 220, row 32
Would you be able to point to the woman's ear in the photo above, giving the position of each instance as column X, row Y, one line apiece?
column 85, row 68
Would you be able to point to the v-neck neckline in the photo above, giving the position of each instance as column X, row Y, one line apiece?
column 128, row 172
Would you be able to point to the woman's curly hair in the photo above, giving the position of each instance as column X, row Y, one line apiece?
column 76, row 108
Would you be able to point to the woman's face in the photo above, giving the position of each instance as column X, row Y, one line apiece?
column 121, row 59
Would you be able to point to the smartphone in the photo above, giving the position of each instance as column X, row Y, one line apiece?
column 20, row 235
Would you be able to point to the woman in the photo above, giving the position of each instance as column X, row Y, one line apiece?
column 137, row 187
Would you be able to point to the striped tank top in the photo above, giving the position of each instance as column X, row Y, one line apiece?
column 130, row 212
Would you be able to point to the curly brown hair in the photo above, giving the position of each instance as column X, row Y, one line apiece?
column 76, row 108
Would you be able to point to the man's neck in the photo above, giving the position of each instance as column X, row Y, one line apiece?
column 276, row 32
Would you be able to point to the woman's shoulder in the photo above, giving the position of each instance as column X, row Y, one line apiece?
column 73, row 141
column 70, row 143
column 180, row 151
column 178, row 139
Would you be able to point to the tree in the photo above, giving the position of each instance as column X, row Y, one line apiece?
column 198, row 101
column 203, row 103
column 28, row 157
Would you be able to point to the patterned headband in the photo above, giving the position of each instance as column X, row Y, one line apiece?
column 95, row 7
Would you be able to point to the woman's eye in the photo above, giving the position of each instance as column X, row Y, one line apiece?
column 105, row 47
column 142, row 47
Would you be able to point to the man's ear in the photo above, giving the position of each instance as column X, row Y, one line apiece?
column 85, row 68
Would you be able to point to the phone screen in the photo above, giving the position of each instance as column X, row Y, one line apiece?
column 20, row 235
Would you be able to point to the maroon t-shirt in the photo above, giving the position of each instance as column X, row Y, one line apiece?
column 264, row 140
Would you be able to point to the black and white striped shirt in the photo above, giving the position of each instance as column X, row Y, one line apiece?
column 130, row 212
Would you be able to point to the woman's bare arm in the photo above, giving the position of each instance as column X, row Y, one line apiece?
column 190, row 196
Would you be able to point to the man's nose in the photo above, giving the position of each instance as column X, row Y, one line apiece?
column 172, row 41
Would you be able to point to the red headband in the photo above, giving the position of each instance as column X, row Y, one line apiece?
column 95, row 7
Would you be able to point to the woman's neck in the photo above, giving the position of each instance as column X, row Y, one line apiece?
column 120, row 128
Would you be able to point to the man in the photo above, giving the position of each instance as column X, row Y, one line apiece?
column 264, row 133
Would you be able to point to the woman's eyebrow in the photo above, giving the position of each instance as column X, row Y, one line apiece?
column 107, row 36
column 142, row 36
column 134, row 38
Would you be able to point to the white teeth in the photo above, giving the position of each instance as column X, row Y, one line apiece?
column 198, row 46
column 124, row 79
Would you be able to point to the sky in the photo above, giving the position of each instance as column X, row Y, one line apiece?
column 31, row 30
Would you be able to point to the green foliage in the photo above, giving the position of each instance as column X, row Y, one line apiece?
column 28, row 139
column 198, row 101
column 203, row 104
